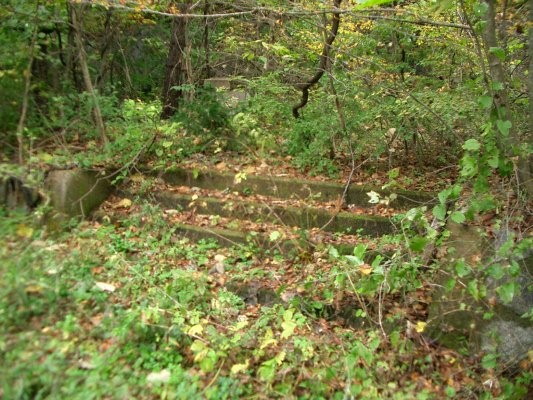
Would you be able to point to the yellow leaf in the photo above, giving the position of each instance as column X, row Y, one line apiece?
column 45, row 157
column 196, row 330
column 280, row 357
column 24, row 231
column 239, row 325
column 33, row 289
column 216, row 304
column 241, row 176
column 124, row 203
column 365, row 269
column 420, row 326
column 238, row 368
column 268, row 339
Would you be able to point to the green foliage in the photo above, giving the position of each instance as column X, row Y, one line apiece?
column 127, row 308
column 204, row 115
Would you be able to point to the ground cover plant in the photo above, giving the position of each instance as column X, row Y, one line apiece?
column 392, row 97
column 128, row 308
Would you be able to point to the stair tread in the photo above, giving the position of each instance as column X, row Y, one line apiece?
column 282, row 187
column 288, row 242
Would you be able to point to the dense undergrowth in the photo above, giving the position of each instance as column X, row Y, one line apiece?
column 121, row 307
column 129, row 309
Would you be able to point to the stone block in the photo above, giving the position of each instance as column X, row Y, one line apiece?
column 456, row 318
column 77, row 192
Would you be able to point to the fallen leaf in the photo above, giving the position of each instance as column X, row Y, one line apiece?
column 24, row 231
column 106, row 287
column 171, row 212
column 365, row 269
column 97, row 319
column 97, row 270
column 420, row 326
column 124, row 203
column 33, row 289
column 220, row 258
column 162, row 376
column 237, row 368
column 86, row 365
column 239, row 177
column 195, row 330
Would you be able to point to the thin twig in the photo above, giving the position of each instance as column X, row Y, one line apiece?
column 258, row 10
column 215, row 377
column 342, row 200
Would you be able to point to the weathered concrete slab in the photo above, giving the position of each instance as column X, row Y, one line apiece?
column 229, row 238
column 305, row 217
column 291, row 188
column 455, row 315
column 77, row 192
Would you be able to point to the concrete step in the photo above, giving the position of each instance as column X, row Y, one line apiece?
column 229, row 238
column 301, row 217
column 288, row 188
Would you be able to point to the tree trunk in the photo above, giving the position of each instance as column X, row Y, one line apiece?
column 207, row 62
column 176, row 66
column 82, row 60
column 71, row 50
column 25, row 98
column 530, row 75
column 496, row 67
column 525, row 164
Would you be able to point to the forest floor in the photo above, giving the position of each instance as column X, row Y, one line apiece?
column 123, row 306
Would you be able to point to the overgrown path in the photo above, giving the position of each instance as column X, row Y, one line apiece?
column 277, row 213
column 217, row 285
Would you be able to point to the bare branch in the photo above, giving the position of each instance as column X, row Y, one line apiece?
column 295, row 12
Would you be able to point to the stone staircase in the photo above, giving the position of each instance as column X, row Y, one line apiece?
column 275, row 213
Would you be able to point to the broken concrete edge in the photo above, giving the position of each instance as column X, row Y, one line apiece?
column 305, row 217
column 16, row 195
column 230, row 238
column 77, row 192
column 289, row 188
column 454, row 315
